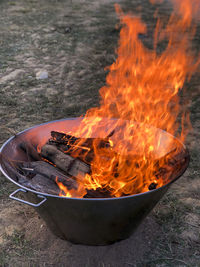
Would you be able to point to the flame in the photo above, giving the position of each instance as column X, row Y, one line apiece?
column 141, row 94
column 64, row 192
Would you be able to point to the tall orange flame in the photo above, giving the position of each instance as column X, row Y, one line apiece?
column 141, row 94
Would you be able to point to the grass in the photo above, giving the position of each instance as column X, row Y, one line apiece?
column 4, row 187
column 16, row 250
column 170, row 214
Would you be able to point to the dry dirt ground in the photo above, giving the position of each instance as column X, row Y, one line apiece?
column 74, row 41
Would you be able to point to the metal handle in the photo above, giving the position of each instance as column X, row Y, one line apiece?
column 27, row 202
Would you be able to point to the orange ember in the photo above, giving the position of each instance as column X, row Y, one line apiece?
column 141, row 94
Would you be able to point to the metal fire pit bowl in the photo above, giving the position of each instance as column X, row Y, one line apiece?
column 98, row 221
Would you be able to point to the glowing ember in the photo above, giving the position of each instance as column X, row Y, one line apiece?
column 141, row 94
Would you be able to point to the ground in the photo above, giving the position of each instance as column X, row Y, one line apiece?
column 74, row 41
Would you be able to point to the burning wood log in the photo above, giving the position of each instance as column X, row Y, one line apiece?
column 98, row 193
column 43, row 184
column 39, row 175
column 48, row 171
column 45, row 177
column 84, row 143
column 68, row 164
column 81, row 148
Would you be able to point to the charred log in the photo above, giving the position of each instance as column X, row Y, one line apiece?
column 42, row 184
column 80, row 148
column 98, row 193
column 48, row 171
column 84, row 143
column 152, row 186
column 66, row 163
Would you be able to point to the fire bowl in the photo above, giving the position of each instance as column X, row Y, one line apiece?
column 98, row 221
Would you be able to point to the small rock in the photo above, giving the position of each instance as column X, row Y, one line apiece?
column 41, row 75
column 67, row 29
column 63, row 28
column 47, row 30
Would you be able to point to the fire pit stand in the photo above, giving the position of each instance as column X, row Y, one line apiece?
column 83, row 221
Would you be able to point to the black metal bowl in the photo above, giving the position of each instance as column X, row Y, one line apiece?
column 98, row 221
